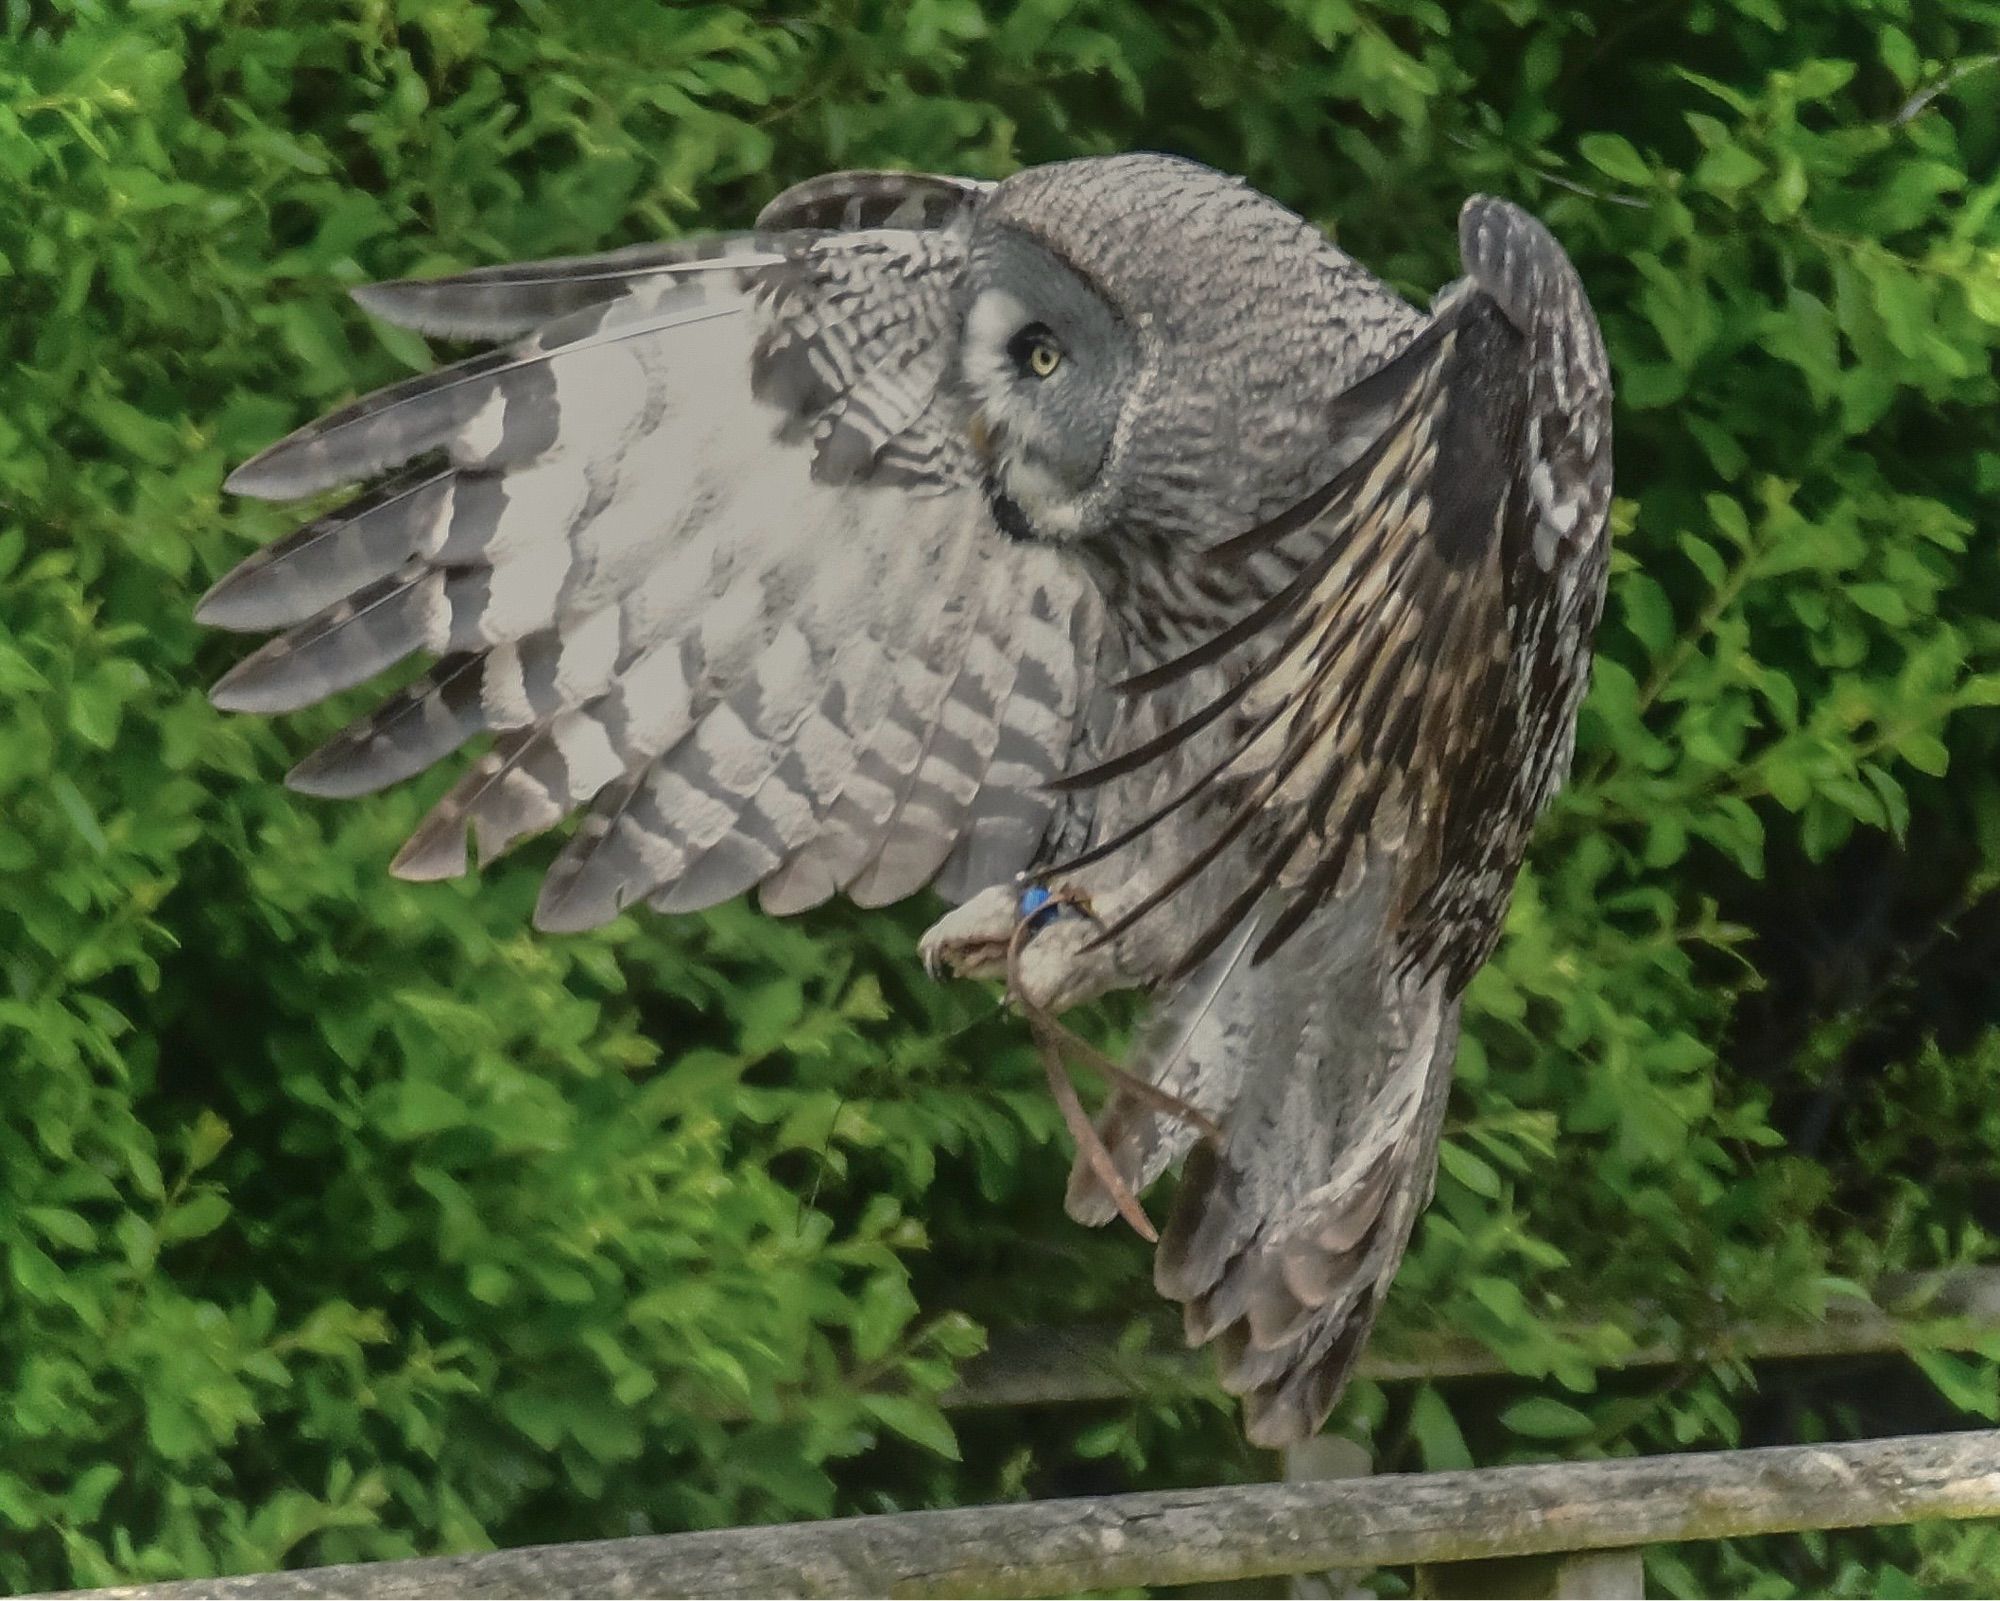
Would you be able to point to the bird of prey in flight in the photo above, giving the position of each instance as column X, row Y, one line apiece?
column 1101, row 547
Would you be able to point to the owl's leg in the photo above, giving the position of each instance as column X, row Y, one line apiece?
column 1061, row 962
column 1045, row 940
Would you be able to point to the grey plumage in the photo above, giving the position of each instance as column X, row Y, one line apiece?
column 1106, row 524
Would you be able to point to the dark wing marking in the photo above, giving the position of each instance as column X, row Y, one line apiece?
column 1412, row 676
column 848, row 202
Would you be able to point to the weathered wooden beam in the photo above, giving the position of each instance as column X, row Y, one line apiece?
column 1209, row 1536
column 1062, row 1367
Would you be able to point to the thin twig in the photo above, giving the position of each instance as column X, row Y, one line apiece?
column 1575, row 188
column 1921, row 100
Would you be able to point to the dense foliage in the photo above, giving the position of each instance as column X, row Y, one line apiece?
column 343, row 1219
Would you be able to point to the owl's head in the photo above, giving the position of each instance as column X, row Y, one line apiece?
column 1049, row 365
column 1140, row 333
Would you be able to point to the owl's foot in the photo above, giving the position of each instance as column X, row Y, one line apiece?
column 1036, row 937
column 971, row 941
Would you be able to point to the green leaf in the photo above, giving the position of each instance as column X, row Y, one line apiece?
column 1613, row 155
column 206, row 1140
column 1727, row 170
column 1924, row 751
column 200, row 1213
column 421, row 1107
column 1967, row 1383
column 62, row 1227
column 1469, row 1169
column 1899, row 55
column 1436, row 1433
column 915, row 1419
column 1648, row 613
column 1542, row 1418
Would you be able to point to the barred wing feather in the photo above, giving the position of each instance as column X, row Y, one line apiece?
column 702, row 547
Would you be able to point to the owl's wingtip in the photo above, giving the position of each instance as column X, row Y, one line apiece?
column 254, row 479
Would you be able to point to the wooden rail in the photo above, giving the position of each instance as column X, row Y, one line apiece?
column 1180, row 1537
column 1056, row 1367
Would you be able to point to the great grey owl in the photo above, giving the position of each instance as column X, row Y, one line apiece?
column 1101, row 547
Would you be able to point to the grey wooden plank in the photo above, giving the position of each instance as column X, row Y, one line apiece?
column 1213, row 1535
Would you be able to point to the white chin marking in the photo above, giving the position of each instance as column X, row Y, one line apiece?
column 1050, row 508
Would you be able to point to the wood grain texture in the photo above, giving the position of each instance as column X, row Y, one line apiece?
column 1213, row 1535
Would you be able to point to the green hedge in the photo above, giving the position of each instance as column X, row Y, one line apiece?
column 343, row 1219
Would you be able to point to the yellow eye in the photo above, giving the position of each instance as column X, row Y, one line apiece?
column 1034, row 351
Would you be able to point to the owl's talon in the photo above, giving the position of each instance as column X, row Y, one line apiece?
column 1033, row 935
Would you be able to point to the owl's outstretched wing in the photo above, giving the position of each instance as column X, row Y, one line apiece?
column 703, row 547
column 1402, row 709
column 1413, row 670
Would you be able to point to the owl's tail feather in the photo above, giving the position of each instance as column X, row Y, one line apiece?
column 1288, row 1296
column 1285, row 1234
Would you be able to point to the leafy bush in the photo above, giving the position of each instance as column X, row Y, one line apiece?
column 347, row 1220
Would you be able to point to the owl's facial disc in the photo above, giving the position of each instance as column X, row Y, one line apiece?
column 1046, row 365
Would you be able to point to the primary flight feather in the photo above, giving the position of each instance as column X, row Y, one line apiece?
column 1106, row 525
